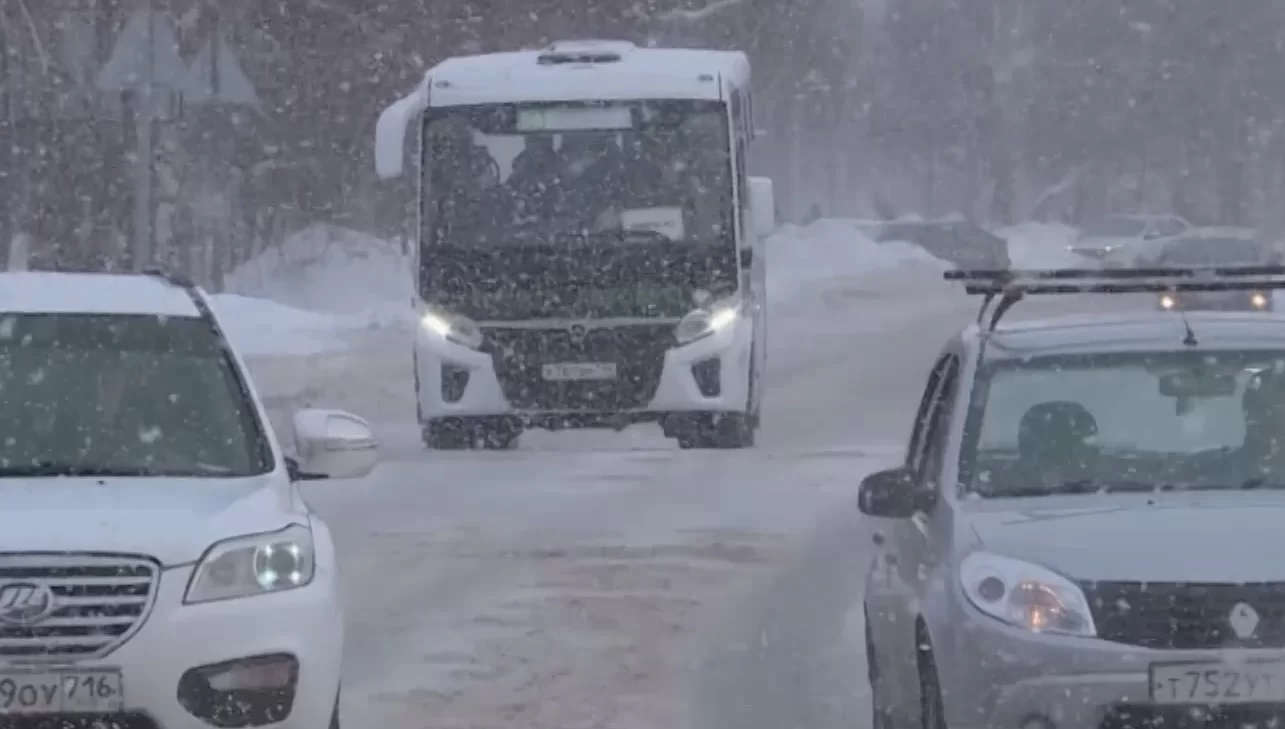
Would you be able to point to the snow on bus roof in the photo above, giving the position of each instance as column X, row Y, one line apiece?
column 46, row 292
column 584, row 70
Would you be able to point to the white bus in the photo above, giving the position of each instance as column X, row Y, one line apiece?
column 589, row 243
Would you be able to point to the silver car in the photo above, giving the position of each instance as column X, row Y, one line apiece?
column 1126, row 240
column 1087, row 530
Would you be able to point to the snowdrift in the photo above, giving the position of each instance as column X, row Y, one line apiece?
column 325, row 285
column 260, row 327
column 802, row 258
column 333, row 270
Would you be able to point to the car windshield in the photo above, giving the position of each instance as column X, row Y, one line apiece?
column 1129, row 421
column 1115, row 228
column 1214, row 252
column 627, row 172
column 117, row 395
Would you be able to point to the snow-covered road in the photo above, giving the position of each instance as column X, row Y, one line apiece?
column 586, row 579
column 575, row 582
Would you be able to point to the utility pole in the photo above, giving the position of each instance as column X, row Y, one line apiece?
column 144, row 121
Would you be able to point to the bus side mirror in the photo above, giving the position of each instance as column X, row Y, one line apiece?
column 390, row 134
column 763, row 206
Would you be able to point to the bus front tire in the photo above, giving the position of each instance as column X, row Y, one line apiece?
column 457, row 434
column 704, row 431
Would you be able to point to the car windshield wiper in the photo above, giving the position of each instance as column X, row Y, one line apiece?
column 1080, row 486
column 44, row 469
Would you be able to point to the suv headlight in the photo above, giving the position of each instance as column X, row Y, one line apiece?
column 455, row 328
column 707, row 320
column 254, row 565
column 1025, row 595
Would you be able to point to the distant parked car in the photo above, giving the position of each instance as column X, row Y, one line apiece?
column 955, row 241
column 1127, row 240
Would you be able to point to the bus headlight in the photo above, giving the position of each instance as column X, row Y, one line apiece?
column 707, row 321
column 458, row 329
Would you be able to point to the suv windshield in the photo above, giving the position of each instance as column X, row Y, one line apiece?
column 1124, row 421
column 123, row 395
column 625, row 172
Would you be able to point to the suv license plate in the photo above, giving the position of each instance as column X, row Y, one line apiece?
column 49, row 692
column 566, row 371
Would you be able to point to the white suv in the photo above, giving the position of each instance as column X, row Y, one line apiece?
column 158, row 566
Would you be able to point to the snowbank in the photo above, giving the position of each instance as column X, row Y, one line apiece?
column 329, row 277
column 260, row 327
column 328, row 269
column 324, row 283
column 802, row 257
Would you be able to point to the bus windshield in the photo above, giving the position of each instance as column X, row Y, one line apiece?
column 557, row 174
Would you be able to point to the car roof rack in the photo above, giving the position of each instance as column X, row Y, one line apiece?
column 1011, row 286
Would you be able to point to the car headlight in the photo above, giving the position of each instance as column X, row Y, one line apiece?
column 1025, row 595
column 1259, row 300
column 707, row 321
column 458, row 329
column 254, row 565
column 1167, row 301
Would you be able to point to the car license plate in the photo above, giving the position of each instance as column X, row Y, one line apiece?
column 46, row 692
column 1218, row 683
column 565, row 371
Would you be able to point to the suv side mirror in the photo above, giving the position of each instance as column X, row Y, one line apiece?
column 763, row 206
column 890, row 494
column 333, row 444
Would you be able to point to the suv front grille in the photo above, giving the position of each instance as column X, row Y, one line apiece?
column 637, row 350
column 1186, row 616
column 97, row 601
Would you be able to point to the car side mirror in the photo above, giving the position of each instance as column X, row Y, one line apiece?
column 890, row 494
column 763, row 206
column 332, row 444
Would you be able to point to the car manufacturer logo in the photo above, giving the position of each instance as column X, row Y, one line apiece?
column 25, row 603
column 1244, row 620
column 578, row 333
